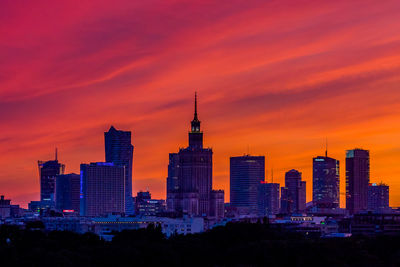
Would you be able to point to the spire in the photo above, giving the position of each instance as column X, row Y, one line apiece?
column 272, row 175
column 326, row 148
column 56, row 154
column 195, row 107
column 195, row 122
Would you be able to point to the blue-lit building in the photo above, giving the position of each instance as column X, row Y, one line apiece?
column 102, row 189
column 268, row 199
column 357, row 180
column 246, row 174
column 119, row 150
column 326, row 181
column 68, row 192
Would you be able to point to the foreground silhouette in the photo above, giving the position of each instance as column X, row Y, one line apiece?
column 239, row 244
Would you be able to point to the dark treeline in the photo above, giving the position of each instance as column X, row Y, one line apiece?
column 237, row 244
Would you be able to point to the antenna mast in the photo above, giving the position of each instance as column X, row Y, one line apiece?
column 326, row 148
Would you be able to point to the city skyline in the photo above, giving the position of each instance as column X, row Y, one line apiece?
column 275, row 77
column 198, row 144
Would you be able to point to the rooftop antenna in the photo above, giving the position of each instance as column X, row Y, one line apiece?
column 272, row 175
column 195, row 105
column 248, row 149
column 56, row 154
column 326, row 148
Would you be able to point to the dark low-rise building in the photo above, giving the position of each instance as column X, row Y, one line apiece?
column 378, row 197
column 146, row 206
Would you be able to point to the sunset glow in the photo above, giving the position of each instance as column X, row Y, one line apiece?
column 274, row 78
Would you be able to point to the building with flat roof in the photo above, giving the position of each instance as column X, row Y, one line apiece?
column 102, row 189
column 268, row 199
column 378, row 197
column 119, row 150
column 246, row 174
column 68, row 192
column 357, row 180
column 326, row 181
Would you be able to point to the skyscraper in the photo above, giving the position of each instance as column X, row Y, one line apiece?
column 174, row 200
column 326, row 182
column 48, row 170
column 357, row 180
column 102, row 189
column 378, row 197
column 268, row 199
column 246, row 173
column 68, row 192
column 286, row 201
column 189, row 182
column 119, row 150
column 294, row 192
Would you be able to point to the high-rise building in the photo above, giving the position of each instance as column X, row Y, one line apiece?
column 293, row 197
column 119, row 150
column 102, row 189
column 48, row 170
column 378, row 197
column 302, row 196
column 246, row 173
column 174, row 200
column 189, row 182
column 286, row 201
column 357, row 180
column 268, row 198
column 326, row 182
column 68, row 192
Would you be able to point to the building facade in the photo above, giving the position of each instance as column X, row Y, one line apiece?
column 102, row 189
column 268, row 199
column 174, row 200
column 68, row 192
column 246, row 173
column 326, row 175
column 119, row 150
column 5, row 208
column 378, row 197
column 146, row 206
column 357, row 180
column 217, row 204
column 294, row 193
column 48, row 170
column 189, row 181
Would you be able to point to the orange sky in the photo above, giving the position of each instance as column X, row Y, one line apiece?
column 275, row 76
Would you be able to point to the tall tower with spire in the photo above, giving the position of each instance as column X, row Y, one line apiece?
column 189, row 181
column 195, row 135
